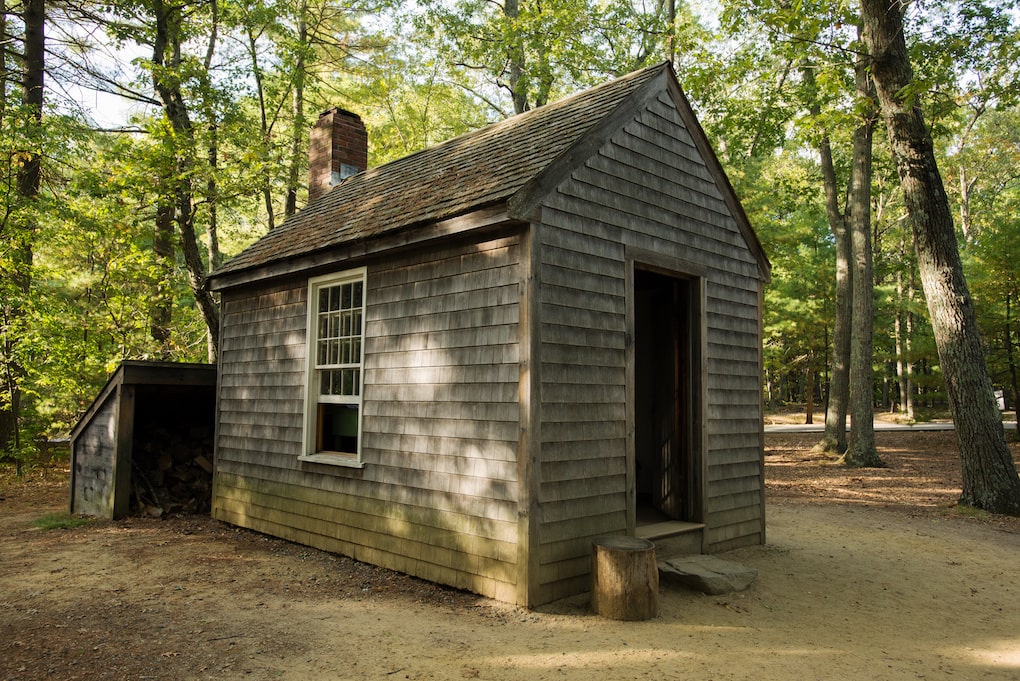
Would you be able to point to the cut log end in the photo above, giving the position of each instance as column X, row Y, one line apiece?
column 624, row 578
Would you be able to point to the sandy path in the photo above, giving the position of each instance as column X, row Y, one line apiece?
column 867, row 574
column 843, row 592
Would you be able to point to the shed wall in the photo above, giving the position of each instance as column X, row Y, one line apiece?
column 646, row 191
column 94, row 461
column 437, row 496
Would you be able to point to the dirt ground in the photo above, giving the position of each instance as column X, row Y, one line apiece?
column 867, row 574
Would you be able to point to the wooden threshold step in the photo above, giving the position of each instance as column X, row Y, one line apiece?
column 666, row 529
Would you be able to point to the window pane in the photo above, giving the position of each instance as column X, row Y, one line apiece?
column 337, row 428
column 335, row 348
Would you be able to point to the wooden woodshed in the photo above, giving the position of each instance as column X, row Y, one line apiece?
column 468, row 363
column 146, row 409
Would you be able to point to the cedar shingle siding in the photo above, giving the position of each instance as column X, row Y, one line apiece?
column 499, row 355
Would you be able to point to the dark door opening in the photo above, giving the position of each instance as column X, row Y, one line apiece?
column 667, row 462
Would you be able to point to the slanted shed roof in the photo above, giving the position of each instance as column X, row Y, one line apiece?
column 472, row 171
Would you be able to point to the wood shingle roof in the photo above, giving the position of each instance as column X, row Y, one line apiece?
column 512, row 163
column 469, row 172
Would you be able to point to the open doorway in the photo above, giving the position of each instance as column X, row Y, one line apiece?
column 666, row 398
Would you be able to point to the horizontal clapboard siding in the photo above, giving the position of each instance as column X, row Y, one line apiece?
column 583, row 334
column 437, row 494
column 262, row 373
column 475, row 554
column 648, row 190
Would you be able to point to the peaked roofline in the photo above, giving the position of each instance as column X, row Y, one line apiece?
column 523, row 204
column 729, row 194
column 529, row 197
column 500, row 164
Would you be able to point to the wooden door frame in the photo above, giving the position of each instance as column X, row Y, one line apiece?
column 695, row 275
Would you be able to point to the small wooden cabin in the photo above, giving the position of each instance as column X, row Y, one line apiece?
column 466, row 364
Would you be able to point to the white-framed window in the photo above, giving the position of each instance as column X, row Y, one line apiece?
column 336, row 306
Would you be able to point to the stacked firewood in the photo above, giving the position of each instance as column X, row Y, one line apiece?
column 172, row 471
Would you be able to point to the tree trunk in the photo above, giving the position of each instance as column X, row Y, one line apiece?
column 911, row 386
column 902, row 345
column 834, row 439
column 671, row 32
column 298, row 131
column 168, row 88
column 212, row 230
column 861, row 445
column 22, row 235
column 990, row 478
column 1014, row 396
column 267, row 180
column 518, row 84
column 966, row 185
column 212, row 234
column 161, row 304
column 809, row 391
column 34, row 17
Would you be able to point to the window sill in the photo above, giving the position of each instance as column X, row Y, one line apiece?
column 342, row 460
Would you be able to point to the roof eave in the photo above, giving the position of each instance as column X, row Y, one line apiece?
column 529, row 198
column 729, row 194
column 349, row 253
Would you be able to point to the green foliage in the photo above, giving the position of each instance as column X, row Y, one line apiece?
column 991, row 246
column 782, row 201
column 408, row 105
column 964, row 52
column 423, row 73
column 519, row 54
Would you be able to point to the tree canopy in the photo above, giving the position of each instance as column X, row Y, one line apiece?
column 144, row 141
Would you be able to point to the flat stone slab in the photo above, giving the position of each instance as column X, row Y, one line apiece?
column 707, row 574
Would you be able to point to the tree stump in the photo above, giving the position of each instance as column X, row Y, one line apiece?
column 624, row 578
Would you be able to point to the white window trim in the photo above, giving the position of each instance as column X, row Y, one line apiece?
column 348, row 459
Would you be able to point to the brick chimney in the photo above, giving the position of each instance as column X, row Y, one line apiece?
column 337, row 149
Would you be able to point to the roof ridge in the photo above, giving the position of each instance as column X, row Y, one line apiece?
column 477, row 168
column 496, row 126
